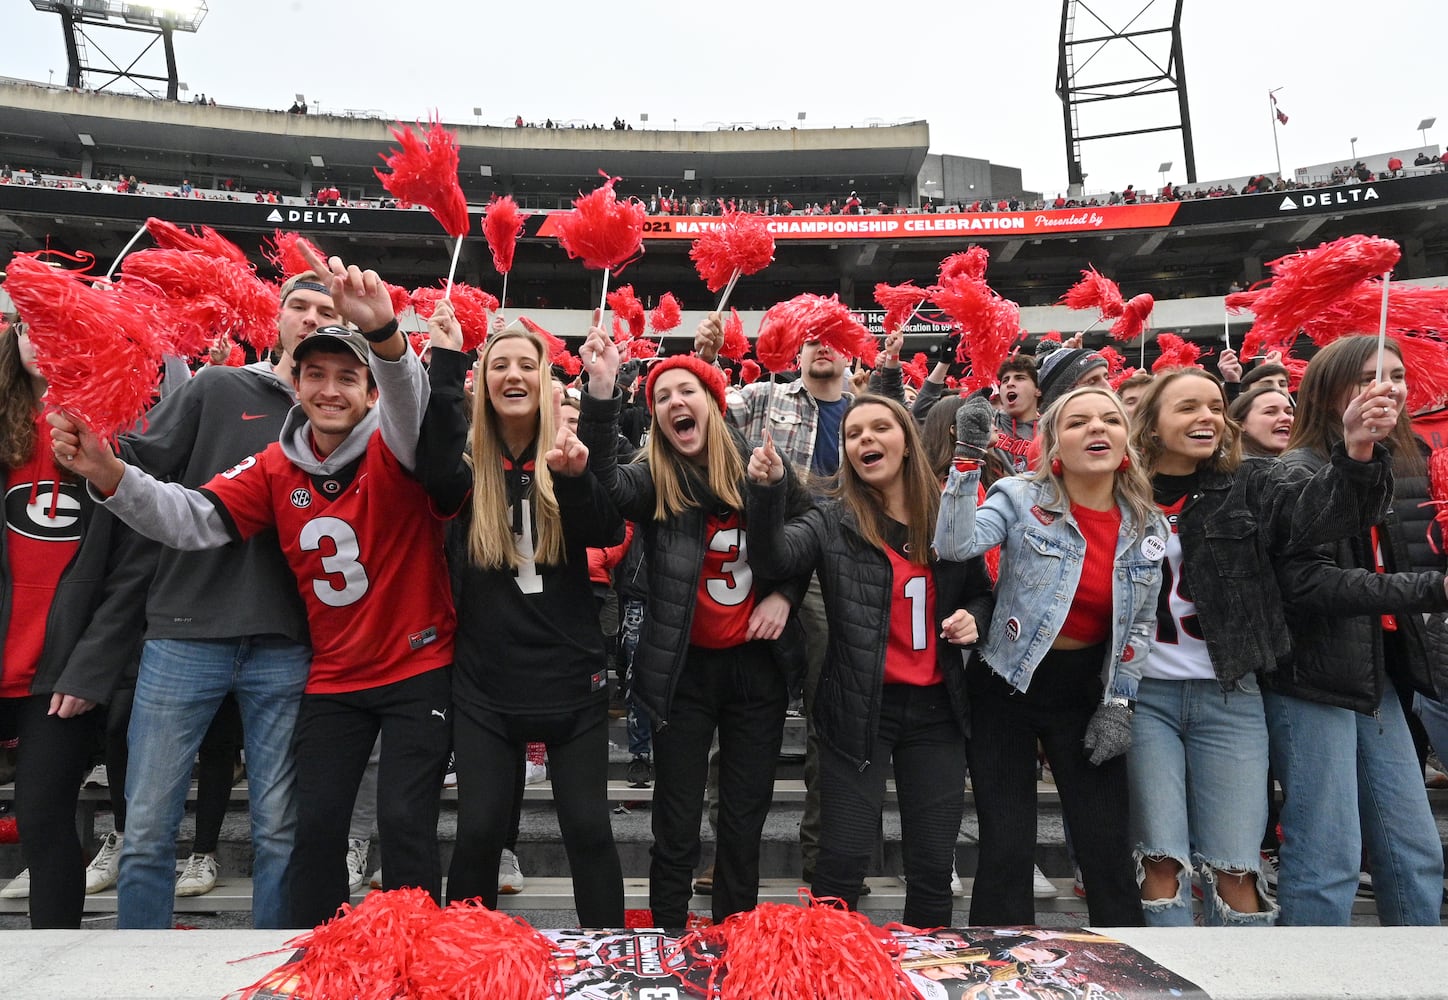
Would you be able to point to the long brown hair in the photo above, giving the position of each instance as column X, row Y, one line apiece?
column 1131, row 486
column 922, row 490
column 18, row 399
column 1241, row 409
column 1333, row 378
column 1147, row 443
column 723, row 464
column 490, row 538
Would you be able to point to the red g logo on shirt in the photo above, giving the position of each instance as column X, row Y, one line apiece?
column 35, row 520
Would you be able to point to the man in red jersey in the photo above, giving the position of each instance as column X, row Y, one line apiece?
column 355, row 527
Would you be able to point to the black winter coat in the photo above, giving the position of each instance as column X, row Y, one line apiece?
column 1334, row 599
column 674, row 553
column 1236, row 527
column 855, row 579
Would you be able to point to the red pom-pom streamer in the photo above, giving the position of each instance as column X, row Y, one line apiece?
column 789, row 324
column 1438, row 490
column 1095, row 291
column 236, row 357
column 740, row 243
column 202, row 296
column 989, row 325
column 470, row 305
column 284, row 251
column 1133, row 317
column 401, row 298
column 782, row 952
column 1296, row 368
column 205, row 240
column 1115, row 361
column 502, row 222
column 601, row 230
column 425, row 172
column 1176, row 352
column 1116, row 380
column 1411, row 308
column 468, row 952
column 627, row 307
column 969, row 263
column 735, row 345
column 1426, row 362
column 666, row 315
column 97, row 349
column 557, row 347
column 1051, row 336
column 642, row 347
column 748, row 371
column 900, row 302
column 915, row 370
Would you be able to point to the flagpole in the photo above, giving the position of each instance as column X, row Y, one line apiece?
column 1272, row 110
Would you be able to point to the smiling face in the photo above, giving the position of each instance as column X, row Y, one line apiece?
column 1019, row 396
column 681, row 412
column 1190, row 423
column 1268, row 424
column 512, row 376
column 874, row 444
column 333, row 392
column 1091, row 435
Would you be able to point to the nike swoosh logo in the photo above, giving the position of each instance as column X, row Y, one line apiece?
column 255, row 416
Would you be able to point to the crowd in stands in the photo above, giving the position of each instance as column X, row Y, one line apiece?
column 399, row 556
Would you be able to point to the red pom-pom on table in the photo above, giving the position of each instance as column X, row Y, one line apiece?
column 739, row 243
column 468, row 952
column 502, row 222
column 602, row 231
column 1133, row 317
column 425, row 172
column 788, row 325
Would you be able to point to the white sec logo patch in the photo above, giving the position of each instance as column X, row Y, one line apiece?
column 301, row 499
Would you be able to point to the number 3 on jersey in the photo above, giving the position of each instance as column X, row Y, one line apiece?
column 346, row 581
column 734, row 580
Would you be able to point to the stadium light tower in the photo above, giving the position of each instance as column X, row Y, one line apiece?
column 1138, row 59
column 81, row 20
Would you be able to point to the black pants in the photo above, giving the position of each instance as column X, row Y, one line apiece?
column 741, row 693
column 216, row 774
column 921, row 737
column 54, row 756
column 117, row 747
column 334, row 738
column 1005, row 725
column 488, row 751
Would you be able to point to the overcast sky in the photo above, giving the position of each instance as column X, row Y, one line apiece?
column 982, row 74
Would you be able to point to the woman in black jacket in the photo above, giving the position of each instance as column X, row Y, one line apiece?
column 1340, row 741
column 1198, row 758
column 705, row 657
column 893, row 682
column 72, row 611
column 530, row 662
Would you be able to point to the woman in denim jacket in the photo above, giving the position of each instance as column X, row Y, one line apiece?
column 1198, row 757
column 1081, row 543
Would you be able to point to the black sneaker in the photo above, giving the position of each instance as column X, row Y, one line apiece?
column 640, row 772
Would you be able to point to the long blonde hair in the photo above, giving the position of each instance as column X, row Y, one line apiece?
column 491, row 544
column 723, row 464
column 1131, row 485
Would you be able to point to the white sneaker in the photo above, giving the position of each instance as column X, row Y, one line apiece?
column 105, row 868
column 956, row 887
column 1042, row 887
column 357, row 864
column 98, row 778
column 510, row 876
column 198, row 877
column 18, row 888
column 534, row 773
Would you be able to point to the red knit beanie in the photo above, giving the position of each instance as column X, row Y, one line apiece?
column 711, row 377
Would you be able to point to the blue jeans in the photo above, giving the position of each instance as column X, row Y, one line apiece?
column 1349, row 778
column 1197, row 771
column 181, row 683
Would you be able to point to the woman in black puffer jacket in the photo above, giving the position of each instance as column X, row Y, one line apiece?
column 892, row 687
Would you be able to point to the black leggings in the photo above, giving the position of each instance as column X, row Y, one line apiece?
column 117, row 748
column 216, row 774
column 488, row 751
column 55, row 754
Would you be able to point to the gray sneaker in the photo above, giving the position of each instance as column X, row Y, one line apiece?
column 105, row 868
column 510, row 876
column 357, row 864
column 198, row 877
column 18, row 887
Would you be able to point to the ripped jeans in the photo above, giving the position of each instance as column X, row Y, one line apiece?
column 1197, row 772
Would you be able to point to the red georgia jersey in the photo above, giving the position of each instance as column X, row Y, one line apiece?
column 367, row 552
column 726, row 586
column 910, row 656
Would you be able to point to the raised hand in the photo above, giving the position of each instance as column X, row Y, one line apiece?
column 709, row 337
column 893, row 343
column 600, row 359
column 443, row 329
column 361, row 297
column 1229, row 365
column 1369, row 418
column 765, row 465
column 569, row 455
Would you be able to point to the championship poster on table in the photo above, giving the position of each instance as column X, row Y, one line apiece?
column 1028, row 963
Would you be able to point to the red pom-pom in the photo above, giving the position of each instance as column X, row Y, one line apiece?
column 205, row 240
column 401, row 298
column 1438, row 487
column 557, row 347
column 789, row 324
column 642, row 347
column 735, row 345
column 915, row 370
column 1426, row 362
column 748, row 371
column 969, row 263
column 425, row 172
column 1296, row 368
column 236, row 357
column 201, row 297
column 283, row 251
column 1114, row 360
column 666, row 315
column 781, row 952
column 97, row 349
column 627, row 307
column 1095, row 291
column 989, row 325
column 1411, row 308
column 1133, row 317
column 740, row 241
column 899, row 301
column 601, row 230
column 468, row 952
column 470, row 305
column 1120, row 377
column 1051, row 336
column 1176, row 352
column 502, row 222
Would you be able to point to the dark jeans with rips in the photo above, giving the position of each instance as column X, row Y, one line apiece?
column 921, row 737
column 1005, row 725
column 740, row 692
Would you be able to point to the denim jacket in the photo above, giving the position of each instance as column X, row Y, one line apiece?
column 1041, row 557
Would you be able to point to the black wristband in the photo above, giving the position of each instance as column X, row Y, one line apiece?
column 383, row 334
